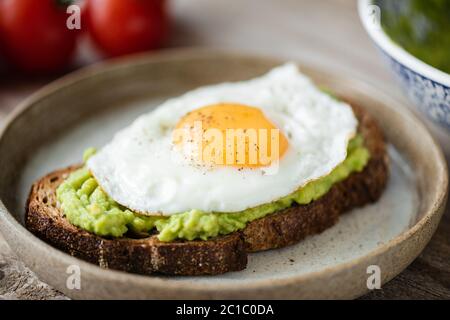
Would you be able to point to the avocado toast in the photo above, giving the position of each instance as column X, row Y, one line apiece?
column 145, row 254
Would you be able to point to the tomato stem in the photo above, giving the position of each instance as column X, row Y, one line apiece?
column 64, row 3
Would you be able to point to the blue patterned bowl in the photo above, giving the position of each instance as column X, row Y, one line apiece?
column 426, row 86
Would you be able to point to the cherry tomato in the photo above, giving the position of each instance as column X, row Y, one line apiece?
column 35, row 35
column 126, row 26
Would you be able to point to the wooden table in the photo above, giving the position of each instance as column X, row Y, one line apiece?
column 318, row 32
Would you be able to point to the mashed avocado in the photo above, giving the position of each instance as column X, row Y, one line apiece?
column 421, row 27
column 87, row 206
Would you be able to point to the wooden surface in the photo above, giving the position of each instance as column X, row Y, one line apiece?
column 321, row 32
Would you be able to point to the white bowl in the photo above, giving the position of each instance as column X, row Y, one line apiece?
column 426, row 86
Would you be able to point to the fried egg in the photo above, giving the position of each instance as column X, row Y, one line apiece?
column 187, row 154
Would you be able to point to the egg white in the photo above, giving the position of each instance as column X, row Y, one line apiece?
column 141, row 170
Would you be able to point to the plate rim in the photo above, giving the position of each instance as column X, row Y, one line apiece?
column 8, row 221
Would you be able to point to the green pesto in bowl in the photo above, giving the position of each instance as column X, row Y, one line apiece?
column 421, row 27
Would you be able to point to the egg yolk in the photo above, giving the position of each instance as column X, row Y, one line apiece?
column 231, row 134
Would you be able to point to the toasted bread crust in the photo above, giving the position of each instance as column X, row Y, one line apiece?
column 145, row 256
column 217, row 255
column 297, row 222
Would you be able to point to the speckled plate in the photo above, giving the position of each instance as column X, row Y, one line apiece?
column 52, row 128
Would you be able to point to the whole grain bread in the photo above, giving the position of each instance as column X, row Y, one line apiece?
column 221, row 254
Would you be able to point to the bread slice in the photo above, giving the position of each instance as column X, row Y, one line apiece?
column 221, row 254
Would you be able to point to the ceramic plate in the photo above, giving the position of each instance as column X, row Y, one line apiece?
column 51, row 129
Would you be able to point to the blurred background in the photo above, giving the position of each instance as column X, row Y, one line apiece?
column 36, row 47
column 325, row 32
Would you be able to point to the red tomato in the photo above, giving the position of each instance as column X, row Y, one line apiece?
column 125, row 26
column 35, row 35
